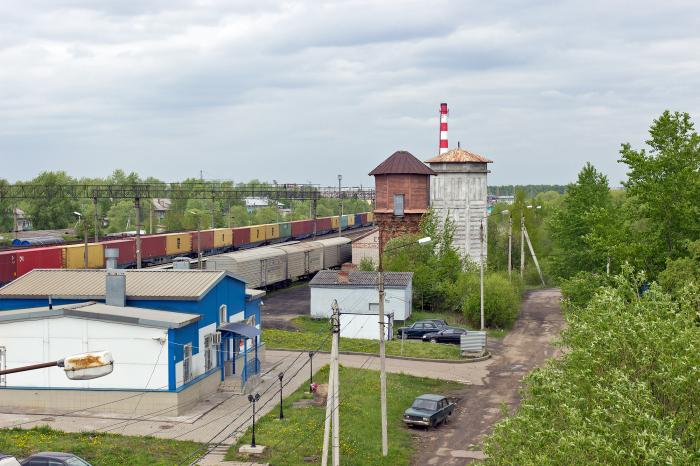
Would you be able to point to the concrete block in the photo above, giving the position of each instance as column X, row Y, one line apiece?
column 257, row 450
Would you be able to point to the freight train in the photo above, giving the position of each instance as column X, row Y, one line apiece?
column 162, row 248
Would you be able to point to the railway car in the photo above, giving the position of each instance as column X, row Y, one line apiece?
column 127, row 251
column 285, row 231
column 349, row 220
column 302, row 228
column 257, row 235
column 370, row 217
column 15, row 263
column 74, row 256
column 303, row 259
column 336, row 251
column 177, row 244
column 241, row 237
column 335, row 223
column 202, row 239
column 223, row 238
column 259, row 267
column 272, row 232
column 8, row 266
column 153, row 248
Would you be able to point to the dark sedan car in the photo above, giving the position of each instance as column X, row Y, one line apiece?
column 54, row 458
column 421, row 327
column 445, row 335
column 429, row 411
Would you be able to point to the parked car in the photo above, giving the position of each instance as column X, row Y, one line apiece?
column 445, row 335
column 421, row 327
column 53, row 458
column 429, row 411
column 7, row 460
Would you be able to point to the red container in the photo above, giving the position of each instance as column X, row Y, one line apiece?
column 127, row 249
column 363, row 218
column 323, row 224
column 241, row 236
column 207, row 238
column 301, row 228
column 8, row 266
column 152, row 246
column 39, row 258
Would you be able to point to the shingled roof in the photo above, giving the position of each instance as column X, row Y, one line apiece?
column 459, row 155
column 402, row 163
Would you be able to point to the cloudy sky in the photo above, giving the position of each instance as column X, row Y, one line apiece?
column 300, row 91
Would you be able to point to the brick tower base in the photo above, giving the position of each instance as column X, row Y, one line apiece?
column 391, row 226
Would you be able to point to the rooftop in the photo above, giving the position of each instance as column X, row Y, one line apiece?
column 402, row 163
column 459, row 155
column 98, row 311
column 90, row 284
column 330, row 279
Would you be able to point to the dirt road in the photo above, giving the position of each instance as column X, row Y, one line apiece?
column 524, row 348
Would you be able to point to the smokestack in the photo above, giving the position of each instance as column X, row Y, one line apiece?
column 111, row 256
column 115, row 289
column 443, row 128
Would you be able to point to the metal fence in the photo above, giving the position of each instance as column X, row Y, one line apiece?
column 472, row 342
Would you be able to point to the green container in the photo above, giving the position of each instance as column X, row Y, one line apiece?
column 285, row 230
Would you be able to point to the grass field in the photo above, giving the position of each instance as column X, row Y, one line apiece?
column 297, row 440
column 313, row 332
column 97, row 448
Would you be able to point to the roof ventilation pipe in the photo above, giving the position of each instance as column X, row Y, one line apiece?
column 111, row 256
column 115, row 294
column 181, row 263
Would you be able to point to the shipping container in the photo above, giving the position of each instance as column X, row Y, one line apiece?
column 153, row 246
column 285, row 230
column 127, row 250
column 344, row 221
column 370, row 217
column 303, row 258
column 8, row 266
column 358, row 220
column 223, row 238
column 335, row 222
column 302, row 228
column 207, row 240
column 74, row 256
column 351, row 220
column 272, row 231
column 259, row 267
column 241, row 236
column 39, row 258
column 324, row 225
column 177, row 244
column 363, row 220
column 257, row 234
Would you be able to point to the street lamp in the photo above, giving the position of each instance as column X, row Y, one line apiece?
column 281, row 376
column 253, row 399
column 382, row 351
column 84, row 366
column 311, row 372
column 85, row 238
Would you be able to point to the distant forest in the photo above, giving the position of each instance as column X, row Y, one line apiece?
column 531, row 190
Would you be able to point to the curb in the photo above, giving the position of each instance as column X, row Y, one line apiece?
column 405, row 358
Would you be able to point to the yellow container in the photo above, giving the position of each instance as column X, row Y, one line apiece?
column 334, row 222
column 178, row 243
column 74, row 258
column 370, row 217
column 351, row 220
column 272, row 231
column 223, row 237
column 257, row 233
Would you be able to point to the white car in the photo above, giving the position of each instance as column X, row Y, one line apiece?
column 6, row 460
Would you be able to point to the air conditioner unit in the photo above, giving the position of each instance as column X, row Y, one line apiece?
column 217, row 338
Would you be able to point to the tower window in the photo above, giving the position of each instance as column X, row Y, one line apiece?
column 398, row 205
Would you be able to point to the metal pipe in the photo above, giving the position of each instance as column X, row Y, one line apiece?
column 31, row 367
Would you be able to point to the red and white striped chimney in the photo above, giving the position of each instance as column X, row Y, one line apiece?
column 443, row 128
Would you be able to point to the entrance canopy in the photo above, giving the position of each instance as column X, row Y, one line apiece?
column 239, row 328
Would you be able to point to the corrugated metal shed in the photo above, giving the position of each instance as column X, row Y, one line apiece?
column 459, row 155
column 402, row 163
column 90, row 284
column 329, row 279
column 99, row 311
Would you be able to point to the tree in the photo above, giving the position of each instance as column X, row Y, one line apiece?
column 665, row 181
column 122, row 216
column 56, row 211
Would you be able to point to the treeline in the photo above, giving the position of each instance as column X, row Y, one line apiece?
column 117, row 215
column 530, row 190
column 627, row 388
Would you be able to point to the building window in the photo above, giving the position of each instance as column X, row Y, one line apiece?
column 398, row 205
column 208, row 352
column 223, row 318
column 187, row 362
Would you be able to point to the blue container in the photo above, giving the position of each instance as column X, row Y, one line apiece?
column 344, row 221
column 358, row 220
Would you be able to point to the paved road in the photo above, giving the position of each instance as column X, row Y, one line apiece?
column 527, row 346
column 281, row 306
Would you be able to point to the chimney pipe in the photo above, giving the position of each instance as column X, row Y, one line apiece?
column 111, row 256
column 115, row 288
column 443, row 128
column 343, row 276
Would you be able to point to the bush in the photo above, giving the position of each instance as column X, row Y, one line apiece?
column 501, row 299
column 580, row 289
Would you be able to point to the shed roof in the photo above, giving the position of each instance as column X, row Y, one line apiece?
column 402, row 163
column 98, row 311
column 358, row 279
column 459, row 155
column 90, row 284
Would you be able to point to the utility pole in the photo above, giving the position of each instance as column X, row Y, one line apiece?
column 382, row 353
column 199, row 242
column 137, row 207
column 522, row 246
column 97, row 228
column 340, row 198
column 481, row 273
column 510, row 245
column 14, row 220
column 150, row 218
column 85, row 239
column 534, row 257
column 314, row 206
column 332, row 421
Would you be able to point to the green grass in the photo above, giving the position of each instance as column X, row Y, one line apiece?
column 97, row 448
column 313, row 332
column 300, row 434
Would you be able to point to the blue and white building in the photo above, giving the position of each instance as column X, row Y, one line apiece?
column 174, row 335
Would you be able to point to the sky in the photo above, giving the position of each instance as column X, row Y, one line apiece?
column 301, row 91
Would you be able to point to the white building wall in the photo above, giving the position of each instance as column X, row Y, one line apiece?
column 136, row 350
column 365, row 326
column 361, row 300
column 462, row 196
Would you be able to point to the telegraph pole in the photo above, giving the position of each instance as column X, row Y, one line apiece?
column 510, row 245
column 97, row 228
column 382, row 351
column 85, row 239
column 481, row 274
column 333, row 398
column 137, row 207
column 340, row 198
column 522, row 246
